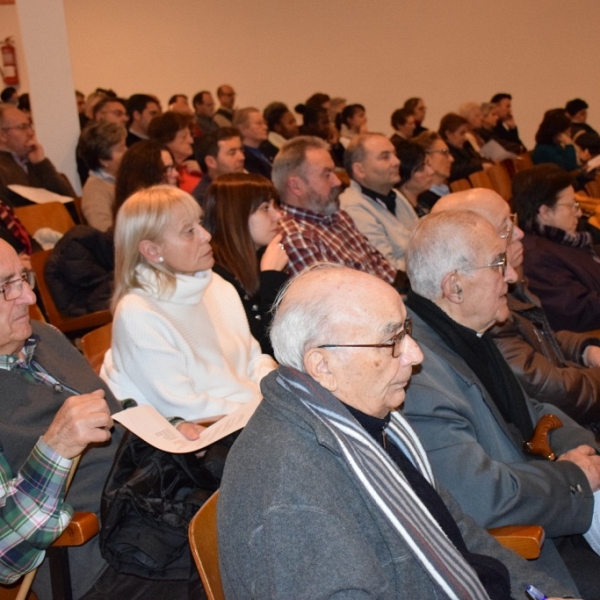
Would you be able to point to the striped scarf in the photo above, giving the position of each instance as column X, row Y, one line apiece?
column 388, row 487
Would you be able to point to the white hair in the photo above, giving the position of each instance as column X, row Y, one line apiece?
column 299, row 326
column 439, row 244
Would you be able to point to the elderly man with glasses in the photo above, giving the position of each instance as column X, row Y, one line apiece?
column 328, row 492
column 470, row 411
column 560, row 368
column 22, row 158
column 40, row 372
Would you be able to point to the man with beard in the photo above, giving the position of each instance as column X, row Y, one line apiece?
column 314, row 228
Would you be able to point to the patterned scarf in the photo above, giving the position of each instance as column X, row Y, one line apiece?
column 387, row 486
column 581, row 239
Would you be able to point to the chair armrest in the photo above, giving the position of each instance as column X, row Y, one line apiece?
column 82, row 528
column 525, row 540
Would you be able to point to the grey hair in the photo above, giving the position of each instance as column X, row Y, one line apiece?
column 299, row 326
column 439, row 244
column 356, row 152
column 466, row 109
column 242, row 116
column 291, row 158
column 486, row 108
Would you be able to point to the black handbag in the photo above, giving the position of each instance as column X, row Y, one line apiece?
column 148, row 501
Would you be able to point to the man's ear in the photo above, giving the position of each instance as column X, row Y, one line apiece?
column 151, row 251
column 318, row 367
column 295, row 185
column 452, row 288
column 211, row 162
column 357, row 171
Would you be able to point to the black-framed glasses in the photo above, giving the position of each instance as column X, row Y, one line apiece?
column 396, row 343
column 13, row 288
column 499, row 263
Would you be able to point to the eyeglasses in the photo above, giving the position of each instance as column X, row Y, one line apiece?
column 507, row 233
column 12, row 289
column 396, row 343
column 21, row 127
column 443, row 151
column 500, row 263
column 572, row 205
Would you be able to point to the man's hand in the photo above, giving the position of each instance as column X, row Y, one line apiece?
column 591, row 356
column 81, row 420
column 588, row 461
column 36, row 152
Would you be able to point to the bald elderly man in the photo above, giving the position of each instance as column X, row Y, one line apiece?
column 346, row 505
column 560, row 368
column 470, row 411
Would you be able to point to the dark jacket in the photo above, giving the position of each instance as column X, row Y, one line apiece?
column 548, row 365
column 466, row 161
column 80, row 271
column 567, row 281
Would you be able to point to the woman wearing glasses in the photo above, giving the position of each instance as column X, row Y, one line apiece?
column 181, row 340
column 560, row 262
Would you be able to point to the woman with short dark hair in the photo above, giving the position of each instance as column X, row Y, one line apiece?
column 454, row 129
column 102, row 146
column 172, row 129
column 560, row 262
column 553, row 141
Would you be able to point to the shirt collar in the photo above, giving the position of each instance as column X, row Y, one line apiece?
column 10, row 362
column 385, row 198
column 309, row 215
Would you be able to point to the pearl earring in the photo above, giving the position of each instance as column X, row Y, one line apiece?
column 161, row 259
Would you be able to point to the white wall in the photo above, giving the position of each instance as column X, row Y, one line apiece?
column 375, row 53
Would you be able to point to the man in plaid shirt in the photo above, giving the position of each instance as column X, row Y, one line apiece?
column 314, row 228
column 32, row 509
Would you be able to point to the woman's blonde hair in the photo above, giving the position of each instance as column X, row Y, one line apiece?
column 146, row 215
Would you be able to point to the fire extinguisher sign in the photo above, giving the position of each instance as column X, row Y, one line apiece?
column 10, row 75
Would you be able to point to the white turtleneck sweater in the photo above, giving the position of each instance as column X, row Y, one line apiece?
column 190, row 355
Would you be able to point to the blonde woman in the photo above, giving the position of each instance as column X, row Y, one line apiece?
column 181, row 340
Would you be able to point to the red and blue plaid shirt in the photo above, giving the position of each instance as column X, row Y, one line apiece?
column 309, row 238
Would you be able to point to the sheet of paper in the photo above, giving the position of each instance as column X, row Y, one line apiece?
column 147, row 423
column 492, row 150
column 38, row 195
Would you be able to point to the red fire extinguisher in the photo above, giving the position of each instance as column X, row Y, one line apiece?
column 9, row 62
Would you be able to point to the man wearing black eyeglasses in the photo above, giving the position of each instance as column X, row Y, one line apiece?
column 22, row 158
column 470, row 411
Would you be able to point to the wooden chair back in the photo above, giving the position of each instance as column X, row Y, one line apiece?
column 593, row 188
column 481, row 179
column 460, row 185
column 52, row 214
column 202, row 534
column 523, row 163
column 78, row 210
column 68, row 325
column 95, row 344
column 501, row 181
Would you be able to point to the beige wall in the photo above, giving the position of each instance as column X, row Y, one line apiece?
column 376, row 53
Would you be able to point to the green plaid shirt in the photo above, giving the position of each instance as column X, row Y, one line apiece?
column 32, row 511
